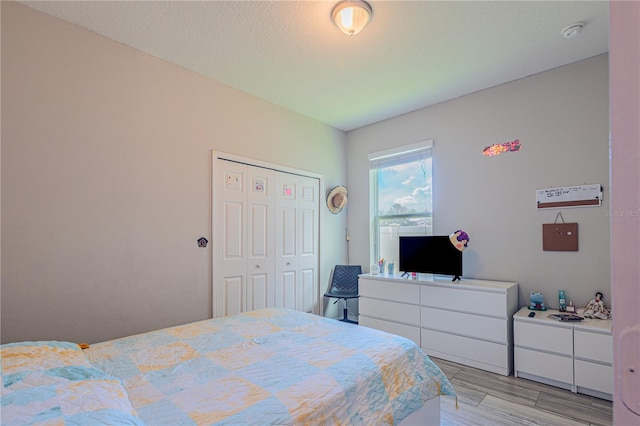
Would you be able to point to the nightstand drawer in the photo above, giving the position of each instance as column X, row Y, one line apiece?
column 593, row 376
column 550, row 366
column 593, row 346
column 555, row 339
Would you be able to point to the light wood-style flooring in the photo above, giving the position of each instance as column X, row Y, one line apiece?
column 486, row 398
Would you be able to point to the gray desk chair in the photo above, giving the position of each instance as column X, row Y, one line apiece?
column 344, row 286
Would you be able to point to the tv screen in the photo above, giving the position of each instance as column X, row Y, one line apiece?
column 431, row 255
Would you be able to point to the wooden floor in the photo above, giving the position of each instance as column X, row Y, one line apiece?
column 491, row 399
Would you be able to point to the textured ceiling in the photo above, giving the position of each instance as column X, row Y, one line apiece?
column 411, row 55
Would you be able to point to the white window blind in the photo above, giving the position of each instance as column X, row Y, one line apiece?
column 403, row 154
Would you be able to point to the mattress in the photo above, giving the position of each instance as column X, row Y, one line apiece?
column 270, row 366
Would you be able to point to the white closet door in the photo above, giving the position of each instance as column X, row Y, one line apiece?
column 297, row 245
column 308, row 258
column 231, row 264
column 287, row 240
column 260, row 237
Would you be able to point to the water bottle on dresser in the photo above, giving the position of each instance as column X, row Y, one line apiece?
column 562, row 301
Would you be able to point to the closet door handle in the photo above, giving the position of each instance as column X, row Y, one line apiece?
column 258, row 266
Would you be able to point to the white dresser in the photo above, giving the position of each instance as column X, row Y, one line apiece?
column 468, row 322
column 572, row 355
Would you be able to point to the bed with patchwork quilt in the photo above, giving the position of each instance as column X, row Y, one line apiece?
column 266, row 367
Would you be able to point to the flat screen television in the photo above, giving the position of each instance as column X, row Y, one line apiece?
column 432, row 254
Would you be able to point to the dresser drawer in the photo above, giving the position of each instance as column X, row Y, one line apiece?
column 392, row 311
column 462, row 300
column 465, row 347
column 404, row 330
column 393, row 291
column 484, row 328
column 593, row 346
column 556, row 339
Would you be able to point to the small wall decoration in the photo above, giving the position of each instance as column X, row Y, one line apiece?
column 289, row 191
column 259, row 185
column 499, row 148
column 233, row 181
column 202, row 242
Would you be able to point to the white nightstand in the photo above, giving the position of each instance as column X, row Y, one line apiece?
column 574, row 355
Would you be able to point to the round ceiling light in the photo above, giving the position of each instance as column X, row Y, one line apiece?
column 572, row 30
column 351, row 16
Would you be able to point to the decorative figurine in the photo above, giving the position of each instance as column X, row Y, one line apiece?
column 537, row 301
column 596, row 309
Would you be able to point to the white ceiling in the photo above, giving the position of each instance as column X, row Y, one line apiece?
column 411, row 55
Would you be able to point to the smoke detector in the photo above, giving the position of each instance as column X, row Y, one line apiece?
column 573, row 30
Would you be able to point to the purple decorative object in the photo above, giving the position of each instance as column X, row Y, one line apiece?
column 459, row 239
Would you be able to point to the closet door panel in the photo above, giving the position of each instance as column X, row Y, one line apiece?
column 286, row 238
column 260, row 237
column 258, row 293
column 309, row 286
column 233, row 288
column 286, row 291
column 288, row 232
column 308, row 290
column 230, row 263
column 233, row 230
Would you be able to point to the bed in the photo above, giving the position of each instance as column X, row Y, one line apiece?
column 269, row 366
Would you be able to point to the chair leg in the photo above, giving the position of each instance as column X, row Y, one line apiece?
column 345, row 317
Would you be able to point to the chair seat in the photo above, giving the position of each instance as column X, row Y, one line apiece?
column 341, row 295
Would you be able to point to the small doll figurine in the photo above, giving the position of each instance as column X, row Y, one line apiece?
column 596, row 309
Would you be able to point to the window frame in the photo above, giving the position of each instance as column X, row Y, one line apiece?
column 387, row 158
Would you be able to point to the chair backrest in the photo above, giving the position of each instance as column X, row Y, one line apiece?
column 345, row 279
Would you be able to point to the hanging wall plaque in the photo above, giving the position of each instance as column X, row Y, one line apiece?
column 560, row 236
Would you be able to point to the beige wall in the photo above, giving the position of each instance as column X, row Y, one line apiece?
column 561, row 118
column 106, row 180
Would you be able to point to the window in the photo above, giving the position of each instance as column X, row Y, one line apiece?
column 401, row 197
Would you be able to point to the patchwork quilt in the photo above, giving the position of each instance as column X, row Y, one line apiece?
column 52, row 383
column 265, row 367
column 271, row 366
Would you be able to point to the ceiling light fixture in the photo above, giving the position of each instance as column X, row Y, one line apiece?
column 351, row 16
column 573, row 30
